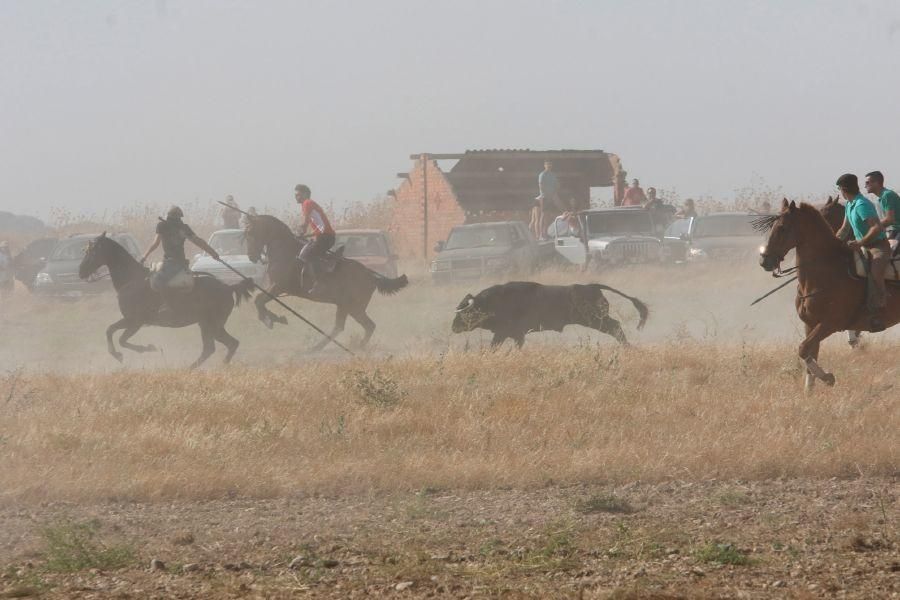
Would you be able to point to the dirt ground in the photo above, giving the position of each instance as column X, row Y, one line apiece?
column 711, row 539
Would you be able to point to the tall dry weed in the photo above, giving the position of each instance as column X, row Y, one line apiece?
column 684, row 410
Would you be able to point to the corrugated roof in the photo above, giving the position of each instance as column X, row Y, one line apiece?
column 507, row 179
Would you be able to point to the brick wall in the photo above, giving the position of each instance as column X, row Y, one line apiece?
column 444, row 212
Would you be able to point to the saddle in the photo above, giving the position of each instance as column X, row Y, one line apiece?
column 329, row 262
column 860, row 266
column 183, row 281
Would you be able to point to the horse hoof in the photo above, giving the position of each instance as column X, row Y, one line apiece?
column 117, row 356
column 267, row 322
column 282, row 320
column 828, row 379
column 151, row 348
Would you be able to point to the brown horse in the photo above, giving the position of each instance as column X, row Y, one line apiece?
column 829, row 299
column 350, row 286
column 208, row 305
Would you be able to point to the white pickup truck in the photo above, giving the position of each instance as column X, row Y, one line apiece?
column 610, row 236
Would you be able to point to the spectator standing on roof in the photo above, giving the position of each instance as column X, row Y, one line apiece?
column 634, row 195
column 231, row 217
column 652, row 203
column 548, row 199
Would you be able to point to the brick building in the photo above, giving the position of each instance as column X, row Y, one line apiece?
column 489, row 185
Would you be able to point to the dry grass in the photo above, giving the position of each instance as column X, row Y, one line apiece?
column 669, row 411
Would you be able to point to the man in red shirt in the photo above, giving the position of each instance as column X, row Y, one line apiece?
column 323, row 237
column 634, row 196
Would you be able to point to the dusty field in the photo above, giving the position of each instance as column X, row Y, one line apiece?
column 690, row 465
column 679, row 539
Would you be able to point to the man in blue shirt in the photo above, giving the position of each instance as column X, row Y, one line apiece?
column 862, row 219
column 889, row 201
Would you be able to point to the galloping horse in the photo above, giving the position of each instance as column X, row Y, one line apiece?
column 208, row 305
column 350, row 286
column 829, row 298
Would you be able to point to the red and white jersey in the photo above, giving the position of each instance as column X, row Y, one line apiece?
column 316, row 218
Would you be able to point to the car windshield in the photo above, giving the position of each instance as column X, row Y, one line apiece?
column 620, row 222
column 725, row 226
column 478, row 237
column 70, row 249
column 361, row 244
column 678, row 228
column 229, row 243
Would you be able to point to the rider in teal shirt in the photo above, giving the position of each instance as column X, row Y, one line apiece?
column 889, row 201
column 859, row 211
column 868, row 233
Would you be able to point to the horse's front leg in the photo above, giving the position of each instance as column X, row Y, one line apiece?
column 110, row 346
column 265, row 315
column 126, row 335
column 809, row 354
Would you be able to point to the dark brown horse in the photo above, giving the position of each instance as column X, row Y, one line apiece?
column 829, row 299
column 208, row 304
column 350, row 286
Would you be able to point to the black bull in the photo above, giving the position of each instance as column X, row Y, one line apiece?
column 513, row 309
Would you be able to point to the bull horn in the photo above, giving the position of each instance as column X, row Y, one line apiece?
column 467, row 306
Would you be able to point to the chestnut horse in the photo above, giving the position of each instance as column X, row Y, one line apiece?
column 829, row 299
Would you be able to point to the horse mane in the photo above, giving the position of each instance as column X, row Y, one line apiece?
column 817, row 217
column 120, row 252
column 279, row 226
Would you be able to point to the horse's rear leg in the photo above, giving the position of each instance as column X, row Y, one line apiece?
column 340, row 320
column 111, row 347
column 229, row 341
column 367, row 324
column 126, row 335
column 209, row 345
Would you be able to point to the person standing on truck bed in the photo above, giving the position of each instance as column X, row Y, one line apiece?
column 634, row 196
column 548, row 199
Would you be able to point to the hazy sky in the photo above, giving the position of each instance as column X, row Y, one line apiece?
column 106, row 103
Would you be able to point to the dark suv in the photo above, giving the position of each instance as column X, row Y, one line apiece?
column 60, row 275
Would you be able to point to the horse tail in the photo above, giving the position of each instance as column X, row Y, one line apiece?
column 388, row 286
column 242, row 290
column 642, row 309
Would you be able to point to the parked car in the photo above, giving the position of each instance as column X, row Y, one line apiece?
column 477, row 250
column 611, row 236
column 714, row 236
column 32, row 259
column 59, row 277
column 370, row 247
column 232, row 248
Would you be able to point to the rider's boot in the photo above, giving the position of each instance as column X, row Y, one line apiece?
column 876, row 321
column 311, row 278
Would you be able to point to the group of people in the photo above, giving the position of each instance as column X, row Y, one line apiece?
column 549, row 200
column 174, row 277
column 879, row 234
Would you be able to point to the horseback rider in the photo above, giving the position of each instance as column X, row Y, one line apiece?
column 862, row 219
column 174, row 278
column 323, row 237
column 890, row 205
